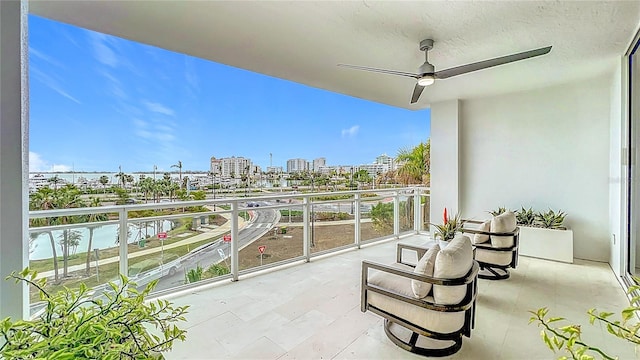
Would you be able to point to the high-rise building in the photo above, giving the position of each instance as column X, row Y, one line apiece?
column 296, row 165
column 216, row 166
column 236, row 166
column 385, row 159
column 318, row 163
column 274, row 169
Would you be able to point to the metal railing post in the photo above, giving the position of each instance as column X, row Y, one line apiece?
column 123, row 239
column 396, row 214
column 233, row 254
column 306, row 241
column 417, row 211
column 357, row 217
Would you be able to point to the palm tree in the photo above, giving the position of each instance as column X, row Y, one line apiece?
column 92, row 224
column 121, row 178
column 43, row 200
column 104, row 180
column 69, row 198
column 416, row 164
column 55, row 180
column 179, row 166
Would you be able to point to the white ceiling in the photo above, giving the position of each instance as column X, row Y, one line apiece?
column 302, row 41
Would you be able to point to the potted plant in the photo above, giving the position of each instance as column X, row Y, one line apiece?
column 543, row 235
column 76, row 324
column 447, row 231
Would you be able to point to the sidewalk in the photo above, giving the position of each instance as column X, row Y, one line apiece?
column 226, row 227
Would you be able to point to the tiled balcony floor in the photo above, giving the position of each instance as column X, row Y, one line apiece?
column 312, row 311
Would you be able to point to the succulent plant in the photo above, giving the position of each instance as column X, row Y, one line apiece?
column 448, row 230
column 550, row 219
column 500, row 210
column 525, row 217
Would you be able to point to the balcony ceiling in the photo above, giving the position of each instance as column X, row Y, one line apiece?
column 302, row 41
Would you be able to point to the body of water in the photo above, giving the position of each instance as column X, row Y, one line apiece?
column 103, row 237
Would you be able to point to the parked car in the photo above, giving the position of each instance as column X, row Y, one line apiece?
column 253, row 204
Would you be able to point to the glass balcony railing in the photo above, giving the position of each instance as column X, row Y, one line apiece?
column 194, row 242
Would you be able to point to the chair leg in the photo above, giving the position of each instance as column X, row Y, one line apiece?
column 491, row 273
column 412, row 347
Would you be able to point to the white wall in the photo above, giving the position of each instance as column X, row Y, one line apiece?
column 444, row 159
column 545, row 148
column 616, row 170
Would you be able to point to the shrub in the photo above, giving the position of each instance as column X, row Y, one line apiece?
column 218, row 270
column 76, row 325
column 193, row 275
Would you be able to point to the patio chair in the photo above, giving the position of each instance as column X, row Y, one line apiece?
column 496, row 245
column 427, row 309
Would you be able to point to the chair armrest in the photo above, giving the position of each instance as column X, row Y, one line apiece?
column 469, row 278
column 420, row 250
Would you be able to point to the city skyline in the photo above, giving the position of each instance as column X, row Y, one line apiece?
column 98, row 102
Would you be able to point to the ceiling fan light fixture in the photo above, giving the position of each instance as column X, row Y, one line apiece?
column 426, row 80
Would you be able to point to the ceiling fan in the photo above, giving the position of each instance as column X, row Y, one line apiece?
column 427, row 75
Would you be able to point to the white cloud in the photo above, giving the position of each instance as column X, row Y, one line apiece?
column 51, row 83
column 101, row 50
column 158, row 108
column 190, row 74
column 350, row 132
column 40, row 55
column 37, row 163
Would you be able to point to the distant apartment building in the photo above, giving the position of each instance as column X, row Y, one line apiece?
column 318, row 163
column 215, row 167
column 385, row 159
column 374, row 169
column 275, row 169
column 236, row 166
column 296, row 165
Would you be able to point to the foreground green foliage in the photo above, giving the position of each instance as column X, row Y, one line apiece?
column 568, row 338
column 77, row 325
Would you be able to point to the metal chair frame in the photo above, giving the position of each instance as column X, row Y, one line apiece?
column 495, row 271
column 467, row 305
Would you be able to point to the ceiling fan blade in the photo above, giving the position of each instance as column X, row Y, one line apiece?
column 384, row 71
column 459, row 70
column 417, row 91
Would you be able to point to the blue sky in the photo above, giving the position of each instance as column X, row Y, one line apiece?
column 98, row 102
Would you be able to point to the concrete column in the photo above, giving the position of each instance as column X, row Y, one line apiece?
column 14, row 157
column 445, row 162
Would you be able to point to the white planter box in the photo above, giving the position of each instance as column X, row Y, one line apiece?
column 546, row 243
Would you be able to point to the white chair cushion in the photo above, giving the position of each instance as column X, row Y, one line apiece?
column 452, row 262
column 494, row 257
column 424, row 267
column 479, row 238
column 442, row 322
column 505, row 222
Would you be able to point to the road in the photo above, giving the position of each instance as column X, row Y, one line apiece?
column 261, row 221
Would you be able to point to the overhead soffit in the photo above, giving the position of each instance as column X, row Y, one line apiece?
column 302, row 41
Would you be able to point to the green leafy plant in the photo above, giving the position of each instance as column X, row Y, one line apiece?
column 218, row 269
column 449, row 228
column 525, row 217
column 194, row 275
column 550, row 220
column 500, row 210
column 119, row 324
column 568, row 338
